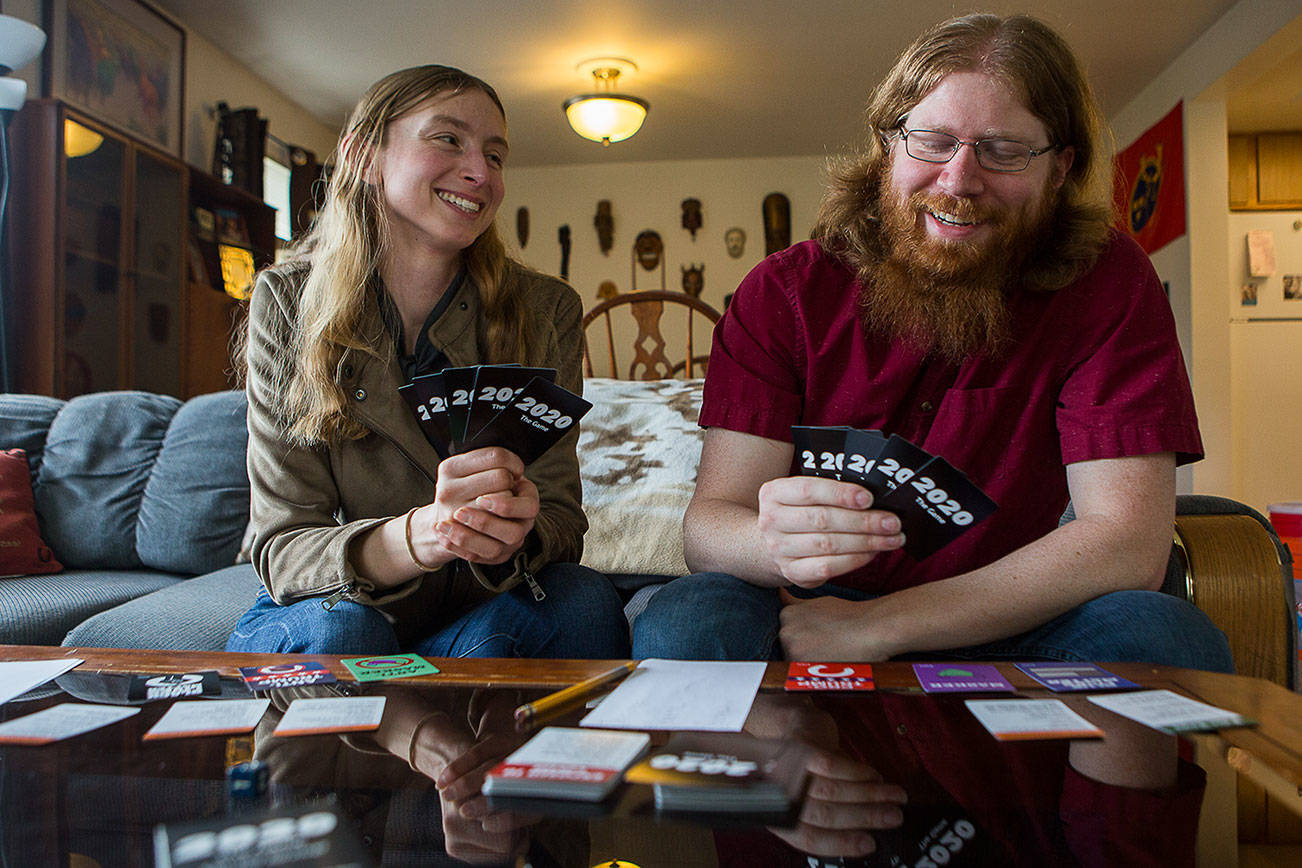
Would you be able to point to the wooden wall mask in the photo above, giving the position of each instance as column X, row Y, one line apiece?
column 777, row 223
column 605, row 223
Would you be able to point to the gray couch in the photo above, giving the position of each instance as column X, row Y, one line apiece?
column 144, row 499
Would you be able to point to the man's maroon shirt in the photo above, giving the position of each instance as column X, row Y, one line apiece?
column 1093, row 371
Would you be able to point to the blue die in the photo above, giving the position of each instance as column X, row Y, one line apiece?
column 247, row 780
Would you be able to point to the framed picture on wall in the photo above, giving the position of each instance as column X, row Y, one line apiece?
column 121, row 62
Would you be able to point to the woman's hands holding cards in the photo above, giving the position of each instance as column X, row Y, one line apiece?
column 483, row 509
column 817, row 529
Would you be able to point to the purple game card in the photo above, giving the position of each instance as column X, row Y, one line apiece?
column 960, row 678
column 1063, row 677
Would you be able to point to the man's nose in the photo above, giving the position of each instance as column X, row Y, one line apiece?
column 963, row 175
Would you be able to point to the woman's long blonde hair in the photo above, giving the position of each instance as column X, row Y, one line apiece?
column 346, row 245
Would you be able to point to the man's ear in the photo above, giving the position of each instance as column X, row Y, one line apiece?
column 1062, row 162
column 363, row 157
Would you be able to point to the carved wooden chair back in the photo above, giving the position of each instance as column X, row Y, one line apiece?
column 649, row 360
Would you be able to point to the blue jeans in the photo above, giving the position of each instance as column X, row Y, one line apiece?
column 713, row 616
column 582, row 617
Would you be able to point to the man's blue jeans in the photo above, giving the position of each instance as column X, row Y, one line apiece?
column 582, row 617
column 714, row 616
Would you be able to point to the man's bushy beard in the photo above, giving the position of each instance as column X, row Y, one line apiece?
column 948, row 297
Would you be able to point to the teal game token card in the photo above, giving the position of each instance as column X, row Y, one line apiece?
column 389, row 666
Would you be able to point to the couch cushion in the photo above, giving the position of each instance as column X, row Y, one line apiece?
column 638, row 451
column 22, row 550
column 196, row 502
column 24, row 422
column 40, row 610
column 195, row 615
column 98, row 457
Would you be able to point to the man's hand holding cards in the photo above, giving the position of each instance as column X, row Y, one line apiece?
column 934, row 501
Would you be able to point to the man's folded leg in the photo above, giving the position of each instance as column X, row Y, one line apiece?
column 708, row 616
column 1127, row 626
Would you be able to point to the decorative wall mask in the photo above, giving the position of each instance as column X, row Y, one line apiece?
column 735, row 240
column 522, row 226
column 606, row 290
column 647, row 249
column 694, row 280
column 564, row 237
column 648, row 252
column 777, row 223
column 605, row 223
column 692, row 216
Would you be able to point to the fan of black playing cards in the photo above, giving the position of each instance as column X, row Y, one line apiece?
column 517, row 408
column 936, row 503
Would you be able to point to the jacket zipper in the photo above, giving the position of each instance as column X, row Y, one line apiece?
column 346, row 591
column 538, row 593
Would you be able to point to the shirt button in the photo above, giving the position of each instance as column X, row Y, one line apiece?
column 348, row 372
column 464, row 306
column 360, row 394
column 926, row 406
column 901, row 729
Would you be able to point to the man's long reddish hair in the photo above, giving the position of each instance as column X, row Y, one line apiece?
column 1039, row 66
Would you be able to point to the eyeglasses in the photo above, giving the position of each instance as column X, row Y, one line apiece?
column 996, row 155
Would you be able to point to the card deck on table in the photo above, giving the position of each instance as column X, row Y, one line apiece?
column 285, row 675
column 820, row 451
column 935, row 505
column 541, row 414
column 1030, row 719
column 150, row 687
column 459, row 387
column 960, row 678
column 61, row 721
column 331, row 714
column 1063, row 677
column 426, row 398
column 495, row 387
column 188, row 719
column 830, row 677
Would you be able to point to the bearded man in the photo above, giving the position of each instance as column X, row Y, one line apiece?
column 965, row 291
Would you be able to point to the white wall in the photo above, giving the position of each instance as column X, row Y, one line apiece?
column 212, row 76
column 1199, row 264
column 649, row 196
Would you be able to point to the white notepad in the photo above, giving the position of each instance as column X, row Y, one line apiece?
column 681, row 694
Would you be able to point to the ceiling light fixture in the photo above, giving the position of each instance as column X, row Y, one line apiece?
column 606, row 116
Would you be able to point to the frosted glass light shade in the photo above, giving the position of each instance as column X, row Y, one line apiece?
column 606, row 117
column 78, row 141
column 20, row 42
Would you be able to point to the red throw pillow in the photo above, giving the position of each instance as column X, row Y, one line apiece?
column 22, row 552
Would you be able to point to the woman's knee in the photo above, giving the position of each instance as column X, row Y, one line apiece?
column 306, row 627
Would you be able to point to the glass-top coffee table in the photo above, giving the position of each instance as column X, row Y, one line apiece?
column 104, row 797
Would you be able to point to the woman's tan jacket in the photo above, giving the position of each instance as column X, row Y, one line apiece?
column 310, row 503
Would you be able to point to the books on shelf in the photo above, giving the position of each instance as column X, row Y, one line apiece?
column 567, row 763
column 726, row 773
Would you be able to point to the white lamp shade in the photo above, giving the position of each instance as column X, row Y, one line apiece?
column 20, row 42
column 605, row 117
column 13, row 93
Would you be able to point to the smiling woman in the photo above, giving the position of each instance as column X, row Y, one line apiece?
column 366, row 540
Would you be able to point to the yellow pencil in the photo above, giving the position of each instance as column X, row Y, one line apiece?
column 554, row 704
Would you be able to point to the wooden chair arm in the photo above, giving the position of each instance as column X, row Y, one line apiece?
column 1235, row 575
